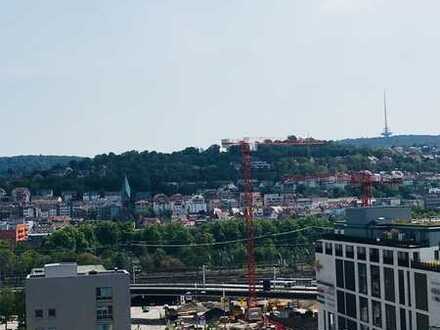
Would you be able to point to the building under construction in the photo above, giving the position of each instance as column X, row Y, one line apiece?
column 255, row 142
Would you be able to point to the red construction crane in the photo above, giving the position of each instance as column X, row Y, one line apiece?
column 246, row 166
column 246, row 146
column 367, row 179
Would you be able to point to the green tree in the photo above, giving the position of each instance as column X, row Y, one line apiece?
column 7, row 306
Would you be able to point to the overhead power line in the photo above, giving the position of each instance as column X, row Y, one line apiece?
column 227, row 242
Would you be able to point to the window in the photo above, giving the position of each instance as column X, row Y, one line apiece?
column 338, row 250
column 331, row 321
column 416, row 256
column 104, row 313
column 390, row 317
column 374, row 255
column 409, row 288
column 375, row 281
column 318, row 247
column 390, row 293
column 401, row 278
column 362, row 278
column 104, row 327
column 388, row 257
column 363, row 309
column 38, row 313
column 350, row 279
column 104, row 293
column 402, row 319
column 436, row 255
column 342, row 323
column 329, row 248
column 377, row 313
column 350, row 305
column 422, row 321
column 339, row 273
column 364, row 327
column 421, row 283
column 351, row 325
column 403, row 259
column 349, row 251
column 361, row 253
column 341, row 302
column 52, row 312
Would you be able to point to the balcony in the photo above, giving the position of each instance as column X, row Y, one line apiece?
column 433, row 266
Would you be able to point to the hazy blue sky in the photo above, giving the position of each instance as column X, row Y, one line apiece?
column 92, row 76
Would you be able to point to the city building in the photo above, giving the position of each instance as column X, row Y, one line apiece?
column 196, row 205
column 161, row 204
column 21, row 195
column 13, row 233
column 432, row 201
column 379, row 270
column 71, row 297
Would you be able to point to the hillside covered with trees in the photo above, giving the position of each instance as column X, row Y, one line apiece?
column 192, row 170
column 18, row 165
column 395, row 141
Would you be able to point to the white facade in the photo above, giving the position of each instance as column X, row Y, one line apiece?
column 196, row 205
column 395, row 291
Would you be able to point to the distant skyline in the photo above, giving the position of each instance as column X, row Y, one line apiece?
column 89, row 77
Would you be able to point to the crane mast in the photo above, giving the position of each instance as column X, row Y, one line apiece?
column 246, row 166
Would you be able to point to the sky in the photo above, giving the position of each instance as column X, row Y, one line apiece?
column 89, row 77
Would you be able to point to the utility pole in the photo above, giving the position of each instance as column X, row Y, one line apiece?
column 204, row 275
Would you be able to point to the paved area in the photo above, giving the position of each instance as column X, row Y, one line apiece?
column 153, row 313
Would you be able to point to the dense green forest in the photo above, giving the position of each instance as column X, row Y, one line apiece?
column 19, row 165
column 395, row 141
column 192, row 170
column 216, row 244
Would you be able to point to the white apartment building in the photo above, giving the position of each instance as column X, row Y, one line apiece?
column 196, row 204
column 379, row 274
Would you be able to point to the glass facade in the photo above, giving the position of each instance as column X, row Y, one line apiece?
column 421, row 283
column 377, row 313
column 390, row 317
column 362, row 278
column 375, row 281
column 350, row 279
column 390, row 292
column 363, row 309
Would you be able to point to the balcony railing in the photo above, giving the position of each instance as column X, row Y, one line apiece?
column 430, row 266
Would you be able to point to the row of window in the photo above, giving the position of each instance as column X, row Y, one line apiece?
column 51, row 313
column 361, row 253
column 104, row 312
column 346, row 304
column 346, row 279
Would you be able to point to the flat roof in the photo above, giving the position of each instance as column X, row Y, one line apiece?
column 70, row 270
column 378, row 242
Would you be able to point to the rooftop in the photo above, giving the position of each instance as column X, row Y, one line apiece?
column 407, row 244
column 70, row 270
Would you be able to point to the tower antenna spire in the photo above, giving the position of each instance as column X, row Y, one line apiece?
column 386, row 131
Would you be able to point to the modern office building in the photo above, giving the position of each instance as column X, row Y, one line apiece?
column 379, row 270
column 71, row 297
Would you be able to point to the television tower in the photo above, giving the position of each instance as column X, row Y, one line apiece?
column 386, row 131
